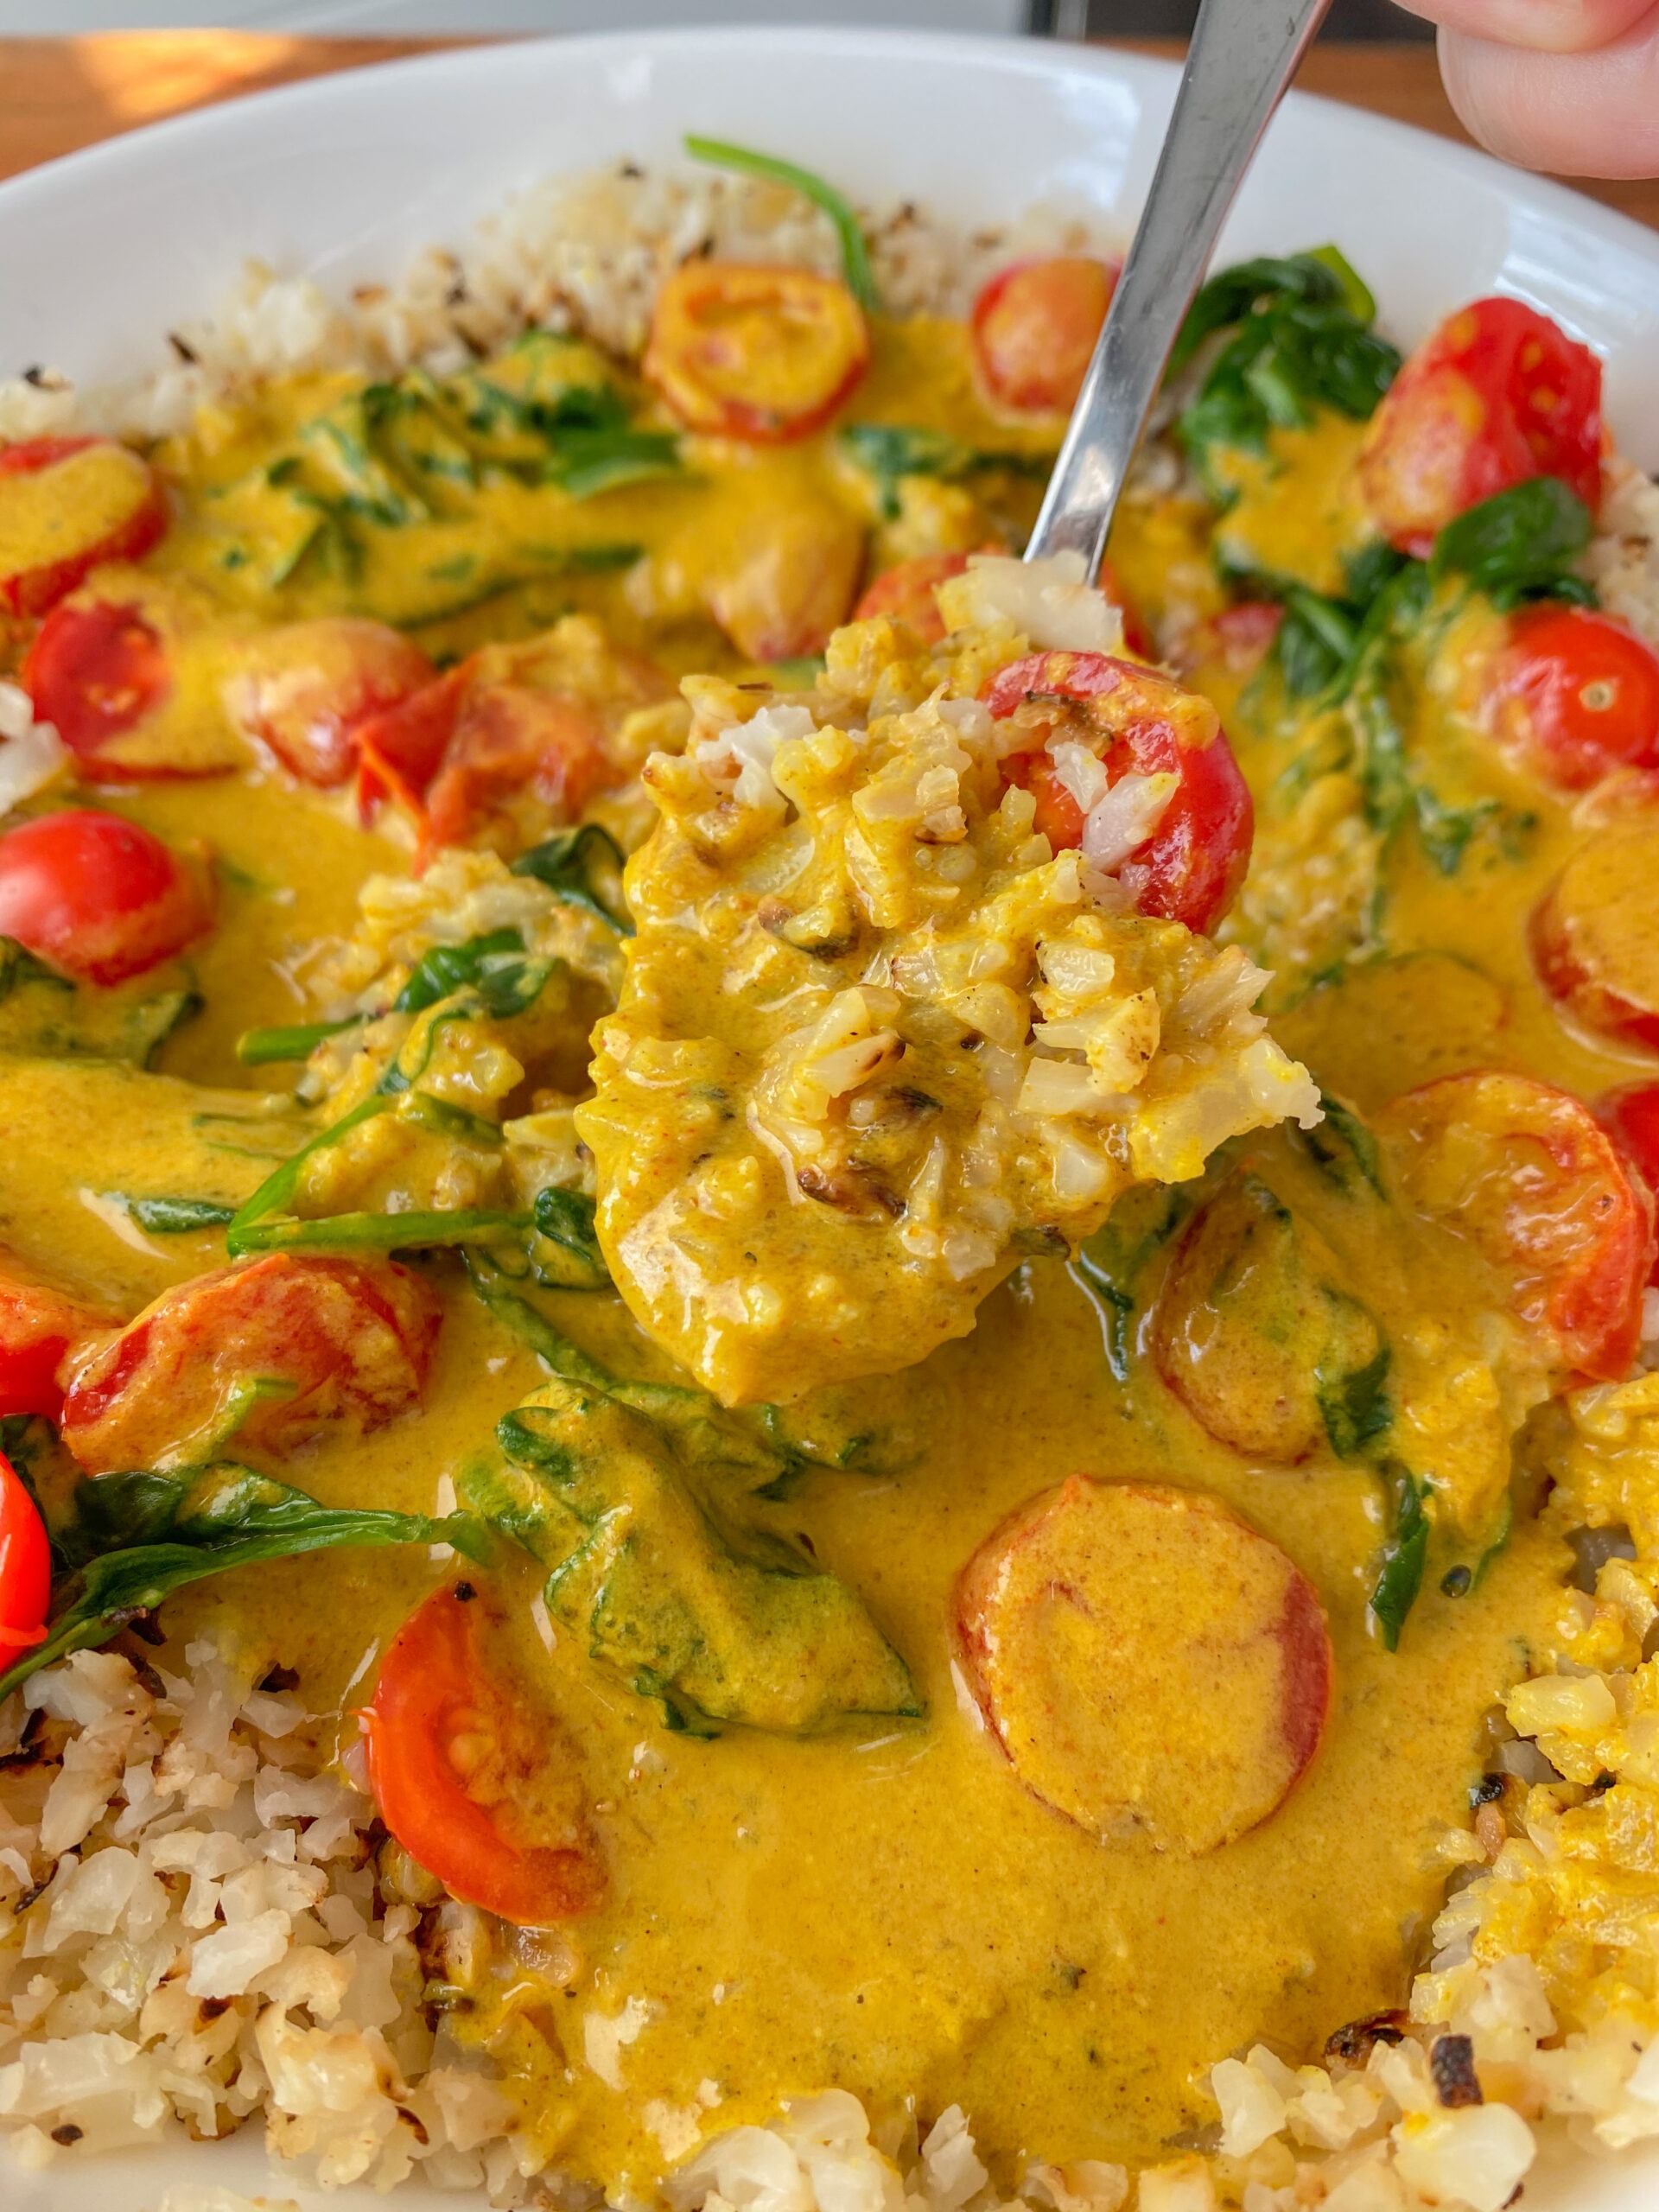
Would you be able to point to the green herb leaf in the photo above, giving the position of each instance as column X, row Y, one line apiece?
column 258, row 1048
column 583, row 866
column 1524, row 540
column 1355, row 1405
column 1403, row 1558
column 136, row 1538
column 1344, row 1148
column 1109, row 1265
column 164, row 1216
column 855, row 253
column 564, row 1221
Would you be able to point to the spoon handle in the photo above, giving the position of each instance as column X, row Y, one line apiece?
column 1243, row 54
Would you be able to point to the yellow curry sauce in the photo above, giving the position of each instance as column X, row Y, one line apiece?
column 880, row 1906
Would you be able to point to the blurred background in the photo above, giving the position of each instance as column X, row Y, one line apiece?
column 1349, row 19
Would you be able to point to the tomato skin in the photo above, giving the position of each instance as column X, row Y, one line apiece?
column 905, row 594
column 1631, row 1116
column 25, row 1568
column 1496, row 395
column 33, row 590
column 94, row 672
column 96, row 896
column 304, row 688
column 1191, row 867
column 39, row 1328
column 1527, row 1173
column 1593, row 939
column 433, row 1693
column 764, row 355
column 1573, row 695
column 1034, row 329
column 351, row 1339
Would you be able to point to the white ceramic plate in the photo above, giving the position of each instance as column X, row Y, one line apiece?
column 343, row 178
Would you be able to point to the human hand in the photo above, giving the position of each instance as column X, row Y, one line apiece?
column 1571, row 86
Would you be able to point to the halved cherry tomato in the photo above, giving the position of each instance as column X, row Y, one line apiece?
column 1147, row 1660
column 530, row 719
column 66, row 504
column 98, row 897
column 472, row 1780
column 1573, row 694
column 1034, row 329
column 764, row 355
column 904, row 593
column 271, row 1350
column 1497, row 394
column 1595, row 941
column 39, row 1328
column 1527, row 1175
column 1632, row 1117
column 1240, row 638
column 25, row 1568
column 94, row 672
column 302, row 688
column 1136, row 722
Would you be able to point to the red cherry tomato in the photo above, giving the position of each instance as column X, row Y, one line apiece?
column 1527, row 1175
column 25, row 1568
column 340, row 1342
column 1497, row 394
column 1136, row 721
column 1034, row 329
column 303, row 689
column 39, row 1328
column 763, row 354
column 1240, row 638
column 1632, row 1117
column 461, row 1772
column 96, row 896
column 1593, row 940
column 1573, row 695
column 904, row 593
column 67, row 504
column 94, row 672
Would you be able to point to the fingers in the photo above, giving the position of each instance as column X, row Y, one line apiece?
column 1541, row 26
column 1578, row 114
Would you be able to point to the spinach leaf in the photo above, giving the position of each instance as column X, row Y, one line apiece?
column 1519, row 543
column 136, row 1538
column 492, row 965
column 1343, row 1149
column 166, row 1216
column 888, row 452
column 1404, row 1557
column 565, row 1220
column 258, row 1048
column 1109, row 1263
column 849, row 234
column 583, row 866
column 680, row 1589
column 19, row 965
column 1301, row 340
column 1354, row 1404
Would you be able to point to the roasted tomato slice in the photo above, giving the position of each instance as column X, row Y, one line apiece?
column 905, row 594
column 94, row 672
column 269, row 1351
column 304, row 688
column 96, row 896
column 39, row 1328
column 1573, row 695
column 1497, row 394
column 1594, row 941
column 1147, row 1661
column 66, row 504
column 472, row 1780
column 1034, row 329
column 1137, row 725
column 763, row 354
column 1530, row 1176
column 25, row 1568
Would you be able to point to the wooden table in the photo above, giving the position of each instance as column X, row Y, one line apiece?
column 56, row 94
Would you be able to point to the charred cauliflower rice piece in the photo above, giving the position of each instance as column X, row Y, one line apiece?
column 878, row 1039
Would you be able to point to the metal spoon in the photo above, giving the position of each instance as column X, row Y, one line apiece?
column 1242, row 56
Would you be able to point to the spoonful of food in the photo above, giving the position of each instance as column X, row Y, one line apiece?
column 1244, row 54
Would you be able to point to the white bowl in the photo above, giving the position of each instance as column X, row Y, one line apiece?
column 342, row 178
